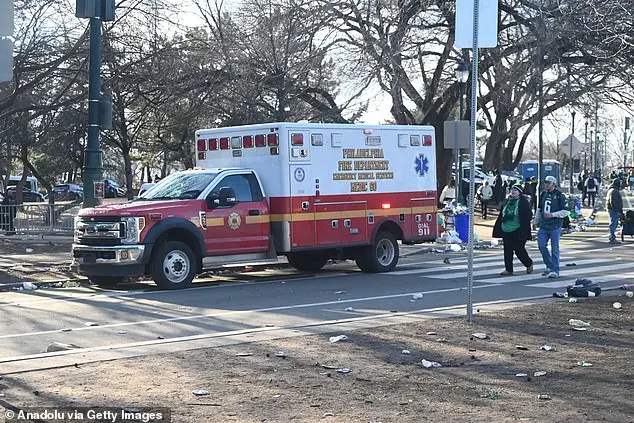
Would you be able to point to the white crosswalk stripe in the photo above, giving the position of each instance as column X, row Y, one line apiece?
column 561, row 282
column 520, row 271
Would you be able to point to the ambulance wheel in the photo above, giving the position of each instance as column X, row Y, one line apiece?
column 105, row 281
column 307, row 261
column 173, row 265
column 381, row 256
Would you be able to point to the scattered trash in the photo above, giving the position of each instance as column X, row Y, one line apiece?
column 583, row 288
column 573, row 300
column 121, row 332
column 244, row 354
column 428, row 364
column 339, row 292
column 538, row 374
column 521, row 347
column 29, row 250
column 629, row 294
column 71, row 284
column 627, row 286
column 66, row 330
column 570, row 264
column 560, row 294
column 494, row 243
column 579, row 328
column 58, row 346
column 417, row 296
column 480, row 335
column 521, row 375
column 328, row 415
column 446, row 260
column 543, row 397
column 617, row 305
column 91, row 324
column 546, row 348
column 584, row 364
column 441, row 340
column 455, row 248
column 58, row 285
column 577, row 322
column 28, row 286
column 200, row 392
column 329, row 366
column 431, row 333
column 334, row 339
column 280, row 354
column 405, row 352
column 344, row 371
column 349, row 309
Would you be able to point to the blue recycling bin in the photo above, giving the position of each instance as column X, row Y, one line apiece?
column 461, row 224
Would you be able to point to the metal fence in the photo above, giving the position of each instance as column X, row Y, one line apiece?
column 38, row 218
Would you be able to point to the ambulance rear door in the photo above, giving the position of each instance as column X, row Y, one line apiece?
column 302, row 190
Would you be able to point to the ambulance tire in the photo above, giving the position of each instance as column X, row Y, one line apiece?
column 105, row 281
column 381, row 256
column 307, row 261
column 173, row 265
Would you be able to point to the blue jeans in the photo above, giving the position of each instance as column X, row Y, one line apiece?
column 550, row 260
column 614, row 220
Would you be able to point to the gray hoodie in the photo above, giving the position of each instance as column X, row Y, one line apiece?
column 614, row 201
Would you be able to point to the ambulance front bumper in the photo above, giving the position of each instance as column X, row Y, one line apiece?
column 121, row 260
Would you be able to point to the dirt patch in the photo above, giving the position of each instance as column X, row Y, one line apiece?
column 476, row 383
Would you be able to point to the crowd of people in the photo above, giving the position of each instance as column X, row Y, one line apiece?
column 520, row 213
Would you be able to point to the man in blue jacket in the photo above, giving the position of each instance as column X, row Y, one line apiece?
column 552, row 209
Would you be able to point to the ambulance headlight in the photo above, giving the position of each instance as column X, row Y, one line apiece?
column 132, row 228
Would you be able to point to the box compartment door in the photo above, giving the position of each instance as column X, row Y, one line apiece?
column 302, row 207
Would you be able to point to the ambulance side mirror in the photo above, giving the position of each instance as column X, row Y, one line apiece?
column 226, row 197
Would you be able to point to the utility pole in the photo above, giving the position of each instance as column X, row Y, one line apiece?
column 627, row 126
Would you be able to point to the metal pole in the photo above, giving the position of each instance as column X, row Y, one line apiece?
column 459, row 151
column 457, row 172
column 585, row 148
column 572, row 136
column 592, row 150
column 92, row 155
column 473, row 120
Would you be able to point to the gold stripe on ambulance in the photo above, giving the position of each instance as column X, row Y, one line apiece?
column 305, row 217
column 250, row 220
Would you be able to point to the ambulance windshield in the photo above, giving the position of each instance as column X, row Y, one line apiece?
column 179, row 186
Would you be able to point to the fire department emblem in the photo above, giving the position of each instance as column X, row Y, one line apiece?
column 202, row 216
column 421, row 165
column 234, row 221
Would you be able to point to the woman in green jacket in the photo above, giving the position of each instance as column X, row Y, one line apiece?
column 513, row 225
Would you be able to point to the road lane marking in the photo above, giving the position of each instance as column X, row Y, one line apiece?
column 239, row 312
column 581, row 272
column 412, row 313
column 601, row 279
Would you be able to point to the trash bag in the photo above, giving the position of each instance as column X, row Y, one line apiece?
column 584, row 288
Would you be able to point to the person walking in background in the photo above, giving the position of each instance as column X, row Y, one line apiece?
column 630, row 180
column 448, row 192
column 513, row 225
column 485, row 193
column 552, row 209
column 530, row 189
column 498, row 188
column 592, row 186
column 581, row 186
column 614, row 205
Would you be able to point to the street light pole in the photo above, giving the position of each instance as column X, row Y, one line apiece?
column 592, row 151
column 571, row 162
column 585, row 146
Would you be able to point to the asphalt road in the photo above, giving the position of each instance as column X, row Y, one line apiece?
column 141, row 319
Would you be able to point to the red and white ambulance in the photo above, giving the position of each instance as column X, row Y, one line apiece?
column 311, row 192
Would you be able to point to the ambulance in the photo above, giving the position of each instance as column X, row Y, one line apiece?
column 311, row 192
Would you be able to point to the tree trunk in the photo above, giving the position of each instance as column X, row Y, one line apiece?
column 127, row 163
